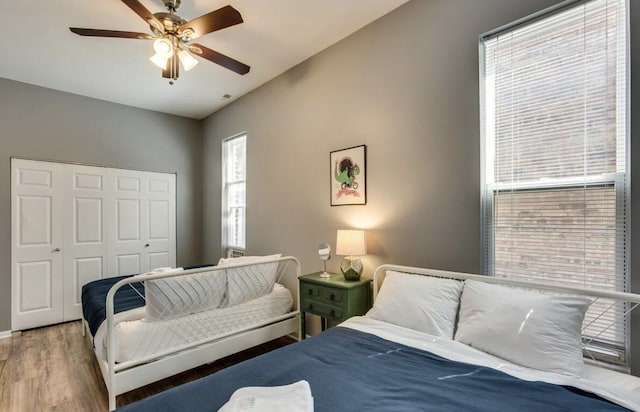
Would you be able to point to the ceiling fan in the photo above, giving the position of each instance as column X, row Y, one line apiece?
column 172, row 37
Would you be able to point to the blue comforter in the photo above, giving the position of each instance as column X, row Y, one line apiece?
column 94, row 298
column 349, row 370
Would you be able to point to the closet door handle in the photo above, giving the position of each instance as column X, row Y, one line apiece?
column 57, row 249
column 146, row 245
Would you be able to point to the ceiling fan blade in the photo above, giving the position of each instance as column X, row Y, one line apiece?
column 143, row 12
column 219, row 58
column 216, row 20
column 110, row 33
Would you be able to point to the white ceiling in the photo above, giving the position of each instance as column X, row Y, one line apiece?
column 37, row 47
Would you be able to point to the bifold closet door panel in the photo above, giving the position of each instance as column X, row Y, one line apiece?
column 160, row 235
column 36, row 243
column 143, row 230
column 85, row 240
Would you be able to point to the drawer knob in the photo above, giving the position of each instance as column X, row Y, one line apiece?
column 333, row 313
column 310, row 306
column 309, row 291
column 332, row 297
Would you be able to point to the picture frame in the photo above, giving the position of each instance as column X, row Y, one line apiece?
column 347, row 176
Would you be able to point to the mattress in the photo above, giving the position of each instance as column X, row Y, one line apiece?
column 353, row 368
column 138, row 338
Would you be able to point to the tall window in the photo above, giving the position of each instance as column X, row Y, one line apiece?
column 234, row 178
column 555, row 155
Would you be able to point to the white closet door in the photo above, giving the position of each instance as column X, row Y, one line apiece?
column 143, row 232
column 37, row 242
column 160, row 235
column 85, row 240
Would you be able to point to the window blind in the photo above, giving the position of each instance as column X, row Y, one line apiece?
column 555, row 181
column 234, row 152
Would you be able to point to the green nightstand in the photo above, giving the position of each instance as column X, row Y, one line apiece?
column 332, row 298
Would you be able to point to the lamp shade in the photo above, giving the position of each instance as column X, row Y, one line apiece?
column 163, row 47
column 159, row 61
column 351, row 243
column 187, row 60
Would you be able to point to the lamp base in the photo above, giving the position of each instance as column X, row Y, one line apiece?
column 351, row 268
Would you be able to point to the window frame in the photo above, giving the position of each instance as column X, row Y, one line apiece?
column 620, row 179
column 226, row 186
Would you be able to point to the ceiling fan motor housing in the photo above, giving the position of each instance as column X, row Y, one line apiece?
column 172, row 4
column 170, row 21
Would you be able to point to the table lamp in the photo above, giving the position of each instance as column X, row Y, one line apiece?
column 351, row 244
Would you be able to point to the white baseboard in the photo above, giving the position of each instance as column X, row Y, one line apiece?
column 5, row 334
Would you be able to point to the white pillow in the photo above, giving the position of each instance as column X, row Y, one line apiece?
column 185, row 294
column 423, row 303
column 525, row 327
column 249, row 282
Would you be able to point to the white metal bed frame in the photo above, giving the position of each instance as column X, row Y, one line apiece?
column 125, row 376
column 631, row 300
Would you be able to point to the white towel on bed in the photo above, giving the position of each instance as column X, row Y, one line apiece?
column 288, row 398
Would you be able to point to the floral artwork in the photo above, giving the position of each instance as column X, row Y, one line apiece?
column 348, row 178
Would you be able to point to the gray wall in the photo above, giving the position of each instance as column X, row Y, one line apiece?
column 51, row 125
column 407, row 87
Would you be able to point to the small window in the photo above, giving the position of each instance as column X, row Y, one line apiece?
column 234, row 179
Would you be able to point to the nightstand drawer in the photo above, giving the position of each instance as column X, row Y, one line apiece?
column 322, row 294
column 322, row 301
column 309, row 291
column 332, row 295
column 322, row 310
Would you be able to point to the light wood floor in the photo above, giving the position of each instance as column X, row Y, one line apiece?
column 53, row 369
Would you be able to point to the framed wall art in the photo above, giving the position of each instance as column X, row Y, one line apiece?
column 348, row 173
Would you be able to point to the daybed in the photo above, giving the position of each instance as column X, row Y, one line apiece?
column 154, row 325
column 443, row 341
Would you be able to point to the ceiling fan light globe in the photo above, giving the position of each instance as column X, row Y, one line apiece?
column 163, row 47
column 187, row 60
column 159, row 61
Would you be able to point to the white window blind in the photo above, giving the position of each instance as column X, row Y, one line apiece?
column 234, row 154
column 554, row 148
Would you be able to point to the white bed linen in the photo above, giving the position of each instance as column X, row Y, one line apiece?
column 137, row 337
column 295, row 397
column 611, row 388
